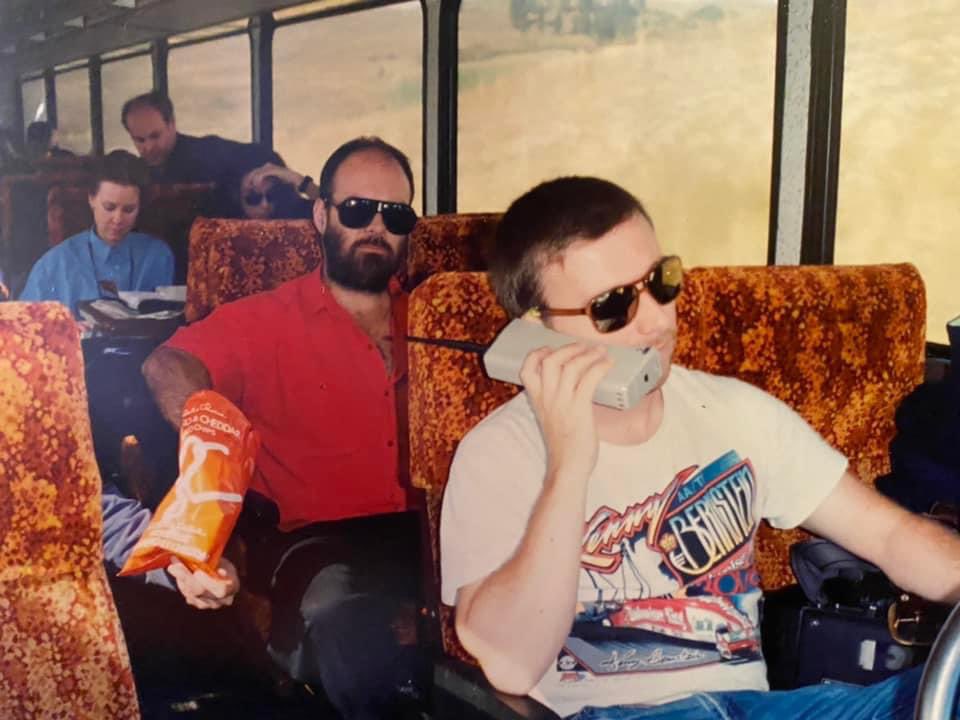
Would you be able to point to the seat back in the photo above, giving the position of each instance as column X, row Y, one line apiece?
column 444, row 243
column 230, row 259
column 65, row 651
column 841, row 345
column 167, row 212
column 68, row 212
column 23, row 200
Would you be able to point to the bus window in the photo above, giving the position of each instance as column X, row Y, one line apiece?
column 73, row 111
column 295, row 11
column 899, row 146
column 34, row 105
column 669, row 98
column 355, row 74
column 210, row 87
column 122, row 80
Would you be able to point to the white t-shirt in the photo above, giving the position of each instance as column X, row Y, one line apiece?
column 668, row 588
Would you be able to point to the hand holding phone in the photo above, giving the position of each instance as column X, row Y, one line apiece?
column 635, row 371
column 560, row 384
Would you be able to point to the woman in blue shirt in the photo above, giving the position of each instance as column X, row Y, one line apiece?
column 108, row 256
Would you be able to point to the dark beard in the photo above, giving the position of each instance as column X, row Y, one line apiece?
column 366, row 272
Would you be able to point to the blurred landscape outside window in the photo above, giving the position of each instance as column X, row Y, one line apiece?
column 122, row 80
column 34, row 101
column 896, row 199
column 73, row 111
column 342, row 76
column 673, row 99
column 210, row 88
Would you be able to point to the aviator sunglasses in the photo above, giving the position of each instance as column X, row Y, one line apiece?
column 611, row 310
column 356, row 213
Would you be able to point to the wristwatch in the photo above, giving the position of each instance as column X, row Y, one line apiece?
column 304, row 184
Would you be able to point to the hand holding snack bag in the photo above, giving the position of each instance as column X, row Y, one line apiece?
column 218, row 449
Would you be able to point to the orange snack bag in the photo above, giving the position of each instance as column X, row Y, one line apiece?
column 218, row 449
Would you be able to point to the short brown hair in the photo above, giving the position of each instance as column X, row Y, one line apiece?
column 356, row 145
column 545, row 221
column 153, row 99
column 122, row 168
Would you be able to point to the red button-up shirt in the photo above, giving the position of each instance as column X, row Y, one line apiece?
column 315, row 387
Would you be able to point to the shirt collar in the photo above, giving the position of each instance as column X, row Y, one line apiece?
column 101, row 250
column 318, row 297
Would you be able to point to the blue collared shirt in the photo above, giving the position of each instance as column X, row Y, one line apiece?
column 70, row 271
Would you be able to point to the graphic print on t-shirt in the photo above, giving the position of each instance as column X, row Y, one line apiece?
column 669, row 582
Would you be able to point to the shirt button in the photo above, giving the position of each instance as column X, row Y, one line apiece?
column 386, row 393
column 369, row 347
column 389, row 443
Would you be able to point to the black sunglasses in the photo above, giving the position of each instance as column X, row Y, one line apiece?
column 611, row 310
column 356, row 213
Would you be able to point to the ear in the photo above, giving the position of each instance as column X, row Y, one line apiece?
column 320, row 215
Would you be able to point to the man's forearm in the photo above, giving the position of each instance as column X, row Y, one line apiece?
column 518, row 618
column 917, row 553
column 173, row 376
column 923, row 557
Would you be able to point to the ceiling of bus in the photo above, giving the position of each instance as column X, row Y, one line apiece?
column 43, row 33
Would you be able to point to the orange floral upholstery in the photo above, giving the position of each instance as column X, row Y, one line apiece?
column 841, row 345
column 230, row 259
column 442, row 243
column 63, row 650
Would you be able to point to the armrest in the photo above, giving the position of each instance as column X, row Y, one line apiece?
column 462, row 691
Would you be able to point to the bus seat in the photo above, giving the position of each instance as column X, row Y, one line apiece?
column 64, row 648
column 230, row 259
column 168, row 211
column 23, row 215
column 841, row 345
column 68, row 212
column 442, row 243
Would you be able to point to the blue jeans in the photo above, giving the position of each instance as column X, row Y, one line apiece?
column 892, row 699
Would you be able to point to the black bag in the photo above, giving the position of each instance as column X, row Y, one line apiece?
column 833, row 627
column 805, row 645
column 925, row 454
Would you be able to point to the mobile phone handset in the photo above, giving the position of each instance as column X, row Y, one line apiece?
column 634, row 374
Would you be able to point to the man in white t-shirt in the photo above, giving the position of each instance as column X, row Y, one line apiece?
column 603, row 560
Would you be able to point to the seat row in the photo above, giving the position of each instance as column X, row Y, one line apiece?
column 842, row 345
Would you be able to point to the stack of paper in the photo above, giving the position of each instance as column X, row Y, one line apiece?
column 119, row 311
column 172, row 293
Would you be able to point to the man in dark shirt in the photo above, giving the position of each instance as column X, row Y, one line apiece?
column 177, row 158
